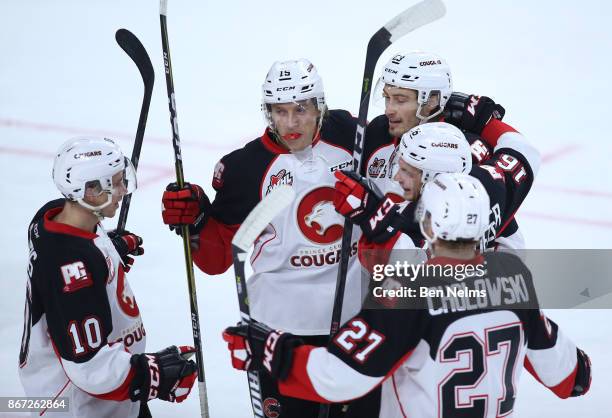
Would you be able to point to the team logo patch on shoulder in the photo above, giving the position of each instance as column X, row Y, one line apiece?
column 217, row 180
column 376, row 169
column 282, row 177
column 75, row 277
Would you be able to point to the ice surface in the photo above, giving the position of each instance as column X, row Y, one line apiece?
column 61, row 74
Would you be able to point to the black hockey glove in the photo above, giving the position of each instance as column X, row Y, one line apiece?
column 166, row 375
column 187, row 206
column 256, row 347
column 583, row 374
column 389, row 219
column 126, row 244
column 471, row 113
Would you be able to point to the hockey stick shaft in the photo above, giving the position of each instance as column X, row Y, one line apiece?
column 178, row 164
column 136, row 51
column 410, row 19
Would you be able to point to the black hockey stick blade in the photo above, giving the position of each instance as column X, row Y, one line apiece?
column 136, row 51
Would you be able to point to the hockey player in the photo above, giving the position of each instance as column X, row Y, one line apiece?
column 424, row 152
column 417, row 89
column 83, row 336
column 295, row 259
column 442, row 355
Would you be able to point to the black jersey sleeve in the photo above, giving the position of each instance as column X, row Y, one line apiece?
column 507, row 175
column 551, row 356
column 236, row 180
column 366, row 349
column 339, row 128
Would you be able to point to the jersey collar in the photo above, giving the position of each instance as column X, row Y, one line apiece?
column 61, row 228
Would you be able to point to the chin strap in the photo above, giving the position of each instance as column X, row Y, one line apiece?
column 97, row 210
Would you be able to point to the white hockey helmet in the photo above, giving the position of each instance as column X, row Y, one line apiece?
column 434, row 148
column 86, row 162
column 424, row 72
column 292, row 81
column 457, row 206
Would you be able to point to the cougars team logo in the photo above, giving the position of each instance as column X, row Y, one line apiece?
column 317, row 218
column 377, row 166
column 282, row 177
column 126, row 298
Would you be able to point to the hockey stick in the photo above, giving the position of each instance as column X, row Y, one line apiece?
column 133, row 47
column 419, row 15
column 251, row 228
column 180, row 179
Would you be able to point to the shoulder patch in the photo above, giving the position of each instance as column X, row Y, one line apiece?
column 75, row 277
column 217, row 180
column 282, row 177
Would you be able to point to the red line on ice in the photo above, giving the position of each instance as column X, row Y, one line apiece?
column 75, row 131
column 161, row 172
column 582, row 192
column 559, row 153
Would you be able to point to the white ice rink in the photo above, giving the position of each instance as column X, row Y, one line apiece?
column 62, row 74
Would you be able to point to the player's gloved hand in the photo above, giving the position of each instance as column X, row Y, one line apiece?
column 255, row 346
column 126, row 244
column 583, row 374
column 166, row 375
column 185, row 206
column 355, row 197
column 388, row 219
column 360, row 200
column 471, row 113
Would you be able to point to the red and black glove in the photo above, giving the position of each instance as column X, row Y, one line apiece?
column 165, row 375
column 355, row 197
column 185, row 206
column 126, row 244
column 256, row 347
column 358, row 199
column 583, row 374
column 471, row 113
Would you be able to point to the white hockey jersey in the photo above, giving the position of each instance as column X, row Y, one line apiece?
column 82, row 323
column 295, row 260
